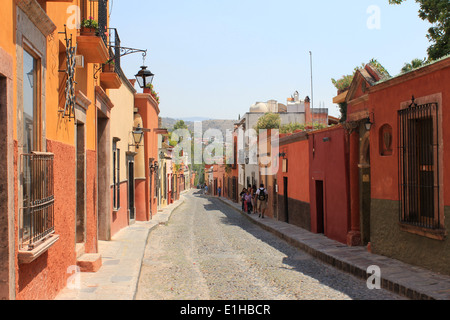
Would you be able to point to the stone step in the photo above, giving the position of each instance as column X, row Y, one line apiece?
column 89, row 262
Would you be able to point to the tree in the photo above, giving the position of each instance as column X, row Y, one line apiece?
column 180, row 124
column 437, row 12
column 268, row 121
column 414, row 64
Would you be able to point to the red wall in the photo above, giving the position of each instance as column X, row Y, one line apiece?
column 329, row 163
column 297, row 155
column 47, row 275
column 140, row 200
column 385, row 101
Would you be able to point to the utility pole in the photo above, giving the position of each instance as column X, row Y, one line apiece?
column 312, row 93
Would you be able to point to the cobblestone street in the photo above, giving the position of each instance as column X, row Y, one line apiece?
column 209, row 251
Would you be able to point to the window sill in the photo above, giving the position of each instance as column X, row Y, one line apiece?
column 436, row 234
column 26, row 256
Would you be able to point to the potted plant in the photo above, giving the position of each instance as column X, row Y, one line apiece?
column 150, row 89
column 89, row 27
column 108, row 66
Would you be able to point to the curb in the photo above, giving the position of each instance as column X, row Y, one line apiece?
column 397, row 280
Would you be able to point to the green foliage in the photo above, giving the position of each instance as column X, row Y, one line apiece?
column 343, row 110
column 180, row 124
column 380, row 68
column 292, row 127
column 153, row 92
column 436, row 12
column 414, row 64
column 89, row 23
column 345, row 81
column 268, row 121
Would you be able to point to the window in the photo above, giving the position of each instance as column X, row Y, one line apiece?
column 37, row 218
column 116, row 175
column 30, row 103
column 419, row 166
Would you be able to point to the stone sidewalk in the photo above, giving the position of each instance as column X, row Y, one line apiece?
column 398, row 277
column 122, row 257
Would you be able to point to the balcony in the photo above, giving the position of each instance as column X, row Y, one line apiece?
column 37, row 228
column 109, row 79
column 93, row 46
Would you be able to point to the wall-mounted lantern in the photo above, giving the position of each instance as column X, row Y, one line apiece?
column 138, row 135
column 368, row 124
column 144, row 77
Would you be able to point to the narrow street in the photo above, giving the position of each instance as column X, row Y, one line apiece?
column 209, row 251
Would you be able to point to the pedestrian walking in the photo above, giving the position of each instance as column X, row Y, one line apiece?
column 242, row 195
column 254, row 200
column 262, row 196
column 219, row 190
column 248, row 199
column 206, row 189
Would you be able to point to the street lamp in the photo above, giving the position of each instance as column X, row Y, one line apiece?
column 368, row 124
column 144, row 77
column 138, row 134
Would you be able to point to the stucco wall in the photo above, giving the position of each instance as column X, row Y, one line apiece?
column 43, row 278
column 329, row 163
column 388, row 240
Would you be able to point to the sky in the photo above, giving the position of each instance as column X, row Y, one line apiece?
column 215, row 58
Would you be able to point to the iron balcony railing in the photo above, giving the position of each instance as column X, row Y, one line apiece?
column 103, row 20
column 419, row 165
column 38, row 214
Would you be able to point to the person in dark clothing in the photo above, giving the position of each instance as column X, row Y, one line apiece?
column 242, row 195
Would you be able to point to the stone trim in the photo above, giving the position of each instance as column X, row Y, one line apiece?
column 7, row 210
column 38, row 16
column 103, row 102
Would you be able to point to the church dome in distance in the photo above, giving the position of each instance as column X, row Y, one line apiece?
column 259, row 107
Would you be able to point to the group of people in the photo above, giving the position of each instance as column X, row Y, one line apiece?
column 254, row 200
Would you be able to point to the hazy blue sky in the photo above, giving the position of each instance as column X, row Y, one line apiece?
column 215, row 58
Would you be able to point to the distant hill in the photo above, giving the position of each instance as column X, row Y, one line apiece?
column 222, row 125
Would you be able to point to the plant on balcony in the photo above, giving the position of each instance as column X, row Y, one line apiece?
column 108, row 66
column 150, row 89
column 89, row 27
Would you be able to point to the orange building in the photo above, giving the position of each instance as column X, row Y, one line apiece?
column 147, row 116
column 55, row 143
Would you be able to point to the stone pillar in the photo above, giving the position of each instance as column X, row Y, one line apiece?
column 8, row 151
column 354, row 236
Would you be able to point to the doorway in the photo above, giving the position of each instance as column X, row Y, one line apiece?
column 365, row 189
column 320, row 212
column 131, row 188
column 81, row 185
column 103, row 178
column 286, row 200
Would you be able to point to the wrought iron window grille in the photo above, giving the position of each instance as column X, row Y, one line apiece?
column 38, row 216
column 419, row 165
